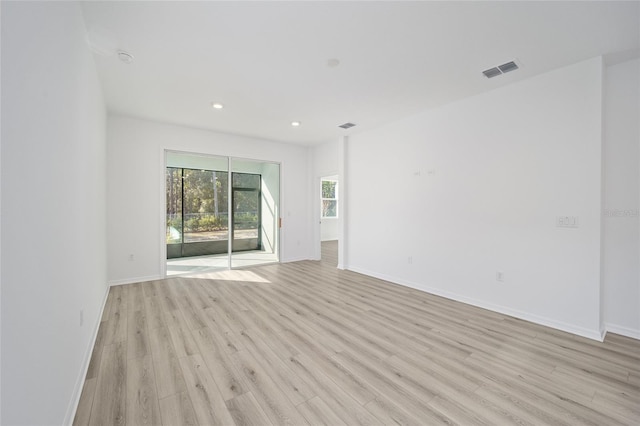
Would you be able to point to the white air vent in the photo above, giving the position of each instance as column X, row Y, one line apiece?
column 500, row 69
column 509, row 66
column 347, row 125
column 491, row 72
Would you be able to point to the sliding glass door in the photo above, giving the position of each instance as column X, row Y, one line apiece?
column 211, row 210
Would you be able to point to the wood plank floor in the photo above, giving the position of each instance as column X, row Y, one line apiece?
column 305, row 343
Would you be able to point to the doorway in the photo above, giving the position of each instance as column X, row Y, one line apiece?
column 329, row 218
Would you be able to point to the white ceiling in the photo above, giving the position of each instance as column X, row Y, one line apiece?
column 267, row 61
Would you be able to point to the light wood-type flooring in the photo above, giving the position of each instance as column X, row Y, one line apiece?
column 304, row 343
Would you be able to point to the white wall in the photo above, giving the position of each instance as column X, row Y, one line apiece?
column 190, row 161
column 53, row 210
column 621, row 277
column 325, row 159
column 475, row 187
column 329, row 231
column 136, row 183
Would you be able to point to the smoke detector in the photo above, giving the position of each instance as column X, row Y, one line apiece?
column 347, row 125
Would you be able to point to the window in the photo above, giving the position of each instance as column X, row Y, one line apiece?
column 329, row 198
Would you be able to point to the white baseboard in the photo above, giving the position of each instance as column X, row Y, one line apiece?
column 77, row 389
column 344, row 266
column 622, row 330
column 527, row 316
column 135, row 280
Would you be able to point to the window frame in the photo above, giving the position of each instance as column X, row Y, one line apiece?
column 335, row 199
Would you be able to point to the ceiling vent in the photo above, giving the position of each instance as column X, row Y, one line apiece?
column 509, row 66
column 347, row 125
column 491, row 72
column 500, row 69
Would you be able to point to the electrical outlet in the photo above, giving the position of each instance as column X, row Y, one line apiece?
column 131, row 258
column 410, row 260
column 500, row 276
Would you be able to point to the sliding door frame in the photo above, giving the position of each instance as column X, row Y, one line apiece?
column 230, row 159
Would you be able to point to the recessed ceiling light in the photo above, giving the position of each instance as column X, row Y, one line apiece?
column 125, row 57
column 216, row 105
column 295, row 123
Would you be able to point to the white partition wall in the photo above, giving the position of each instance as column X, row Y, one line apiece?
column 475, row 188
column 621, row 203
column 54, row 218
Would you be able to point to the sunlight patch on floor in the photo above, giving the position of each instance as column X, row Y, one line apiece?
column 218, row 263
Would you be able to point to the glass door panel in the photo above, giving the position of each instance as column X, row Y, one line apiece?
column 205, row 209
column 197, row 218
column 255, row 192
column 246, row 211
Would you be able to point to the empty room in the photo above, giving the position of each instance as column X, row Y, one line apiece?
column 320, row 213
